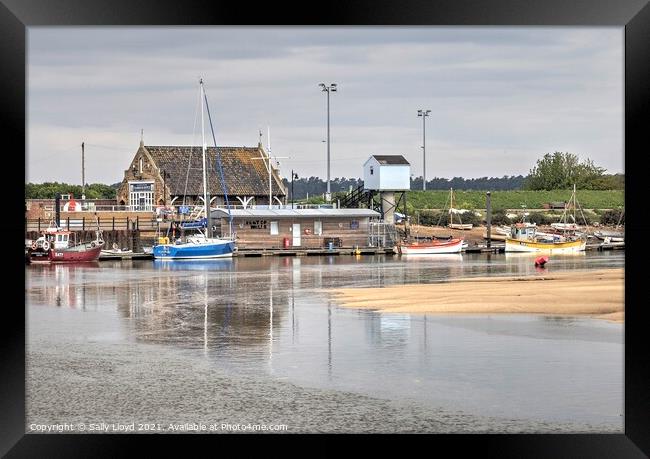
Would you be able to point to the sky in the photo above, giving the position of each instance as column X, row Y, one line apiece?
column 500, row 97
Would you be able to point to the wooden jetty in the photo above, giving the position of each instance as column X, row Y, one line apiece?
column 307, row 252
column 126, row 256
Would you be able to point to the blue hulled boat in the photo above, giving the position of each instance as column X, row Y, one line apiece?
column 195, row 248
column 200, row 246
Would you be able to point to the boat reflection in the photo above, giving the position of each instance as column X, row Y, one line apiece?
column 218, row 264
column 442, row 257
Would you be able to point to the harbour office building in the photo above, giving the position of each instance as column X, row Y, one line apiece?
column 173, row 175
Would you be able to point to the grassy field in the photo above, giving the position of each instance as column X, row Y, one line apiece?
column 588, row 199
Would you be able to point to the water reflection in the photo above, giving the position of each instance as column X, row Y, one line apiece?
column 274, row 315
column 524, row 263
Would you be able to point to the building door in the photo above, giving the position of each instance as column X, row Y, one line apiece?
column 141, row 195
column 296, row 234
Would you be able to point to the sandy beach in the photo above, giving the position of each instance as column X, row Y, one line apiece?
column 597, row 293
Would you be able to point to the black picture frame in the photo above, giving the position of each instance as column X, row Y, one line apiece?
column 634, row 15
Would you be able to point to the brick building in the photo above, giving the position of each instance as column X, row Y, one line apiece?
column 164, row 175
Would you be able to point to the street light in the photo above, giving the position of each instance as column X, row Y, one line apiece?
column 424, row 114
column 293, row 176
column 331, row 88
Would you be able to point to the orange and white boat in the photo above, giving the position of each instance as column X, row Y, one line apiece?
column 454, row 245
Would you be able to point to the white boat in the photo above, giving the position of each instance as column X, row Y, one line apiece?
column 115, row 250
column 610, row 236
column 565, row 226
column 200, row 246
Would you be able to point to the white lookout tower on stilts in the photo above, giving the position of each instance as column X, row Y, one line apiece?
column 390, row 177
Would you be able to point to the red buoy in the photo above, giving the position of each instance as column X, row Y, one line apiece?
column 541, row 261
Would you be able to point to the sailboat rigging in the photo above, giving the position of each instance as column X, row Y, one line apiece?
column 525, row 237
column 460, row 225
column 203, row 245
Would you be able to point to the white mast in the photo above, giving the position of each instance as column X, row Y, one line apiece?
column 451, row 206
column 269, row 155
column 205, row 181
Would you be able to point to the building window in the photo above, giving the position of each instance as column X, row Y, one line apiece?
column 318, row 228
column 354, row 224
column 141, row 163
column 372, row 170
column 274, row 229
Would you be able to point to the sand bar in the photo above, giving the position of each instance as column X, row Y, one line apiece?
column 594, row 293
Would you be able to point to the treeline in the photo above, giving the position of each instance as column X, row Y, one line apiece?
column 507, row 182
column 48, row 190
column 315, row 186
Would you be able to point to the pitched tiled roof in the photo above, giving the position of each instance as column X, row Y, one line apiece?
column 390, row 159
column 244, row 175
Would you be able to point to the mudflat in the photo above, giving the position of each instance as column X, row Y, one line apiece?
column 594, row 293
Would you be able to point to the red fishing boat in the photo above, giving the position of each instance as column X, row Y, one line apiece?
column 57, row 245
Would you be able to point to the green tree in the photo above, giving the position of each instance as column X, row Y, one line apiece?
column 556, row 171
column 48, row 190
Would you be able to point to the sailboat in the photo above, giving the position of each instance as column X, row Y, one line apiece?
column 525, row 238
column 200, row 246
column 460, row 225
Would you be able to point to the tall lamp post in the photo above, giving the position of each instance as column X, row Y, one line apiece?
column 424, row 114
column 293, row 176
column 331, row 88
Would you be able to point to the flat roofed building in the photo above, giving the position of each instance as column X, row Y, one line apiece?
column 303, row 228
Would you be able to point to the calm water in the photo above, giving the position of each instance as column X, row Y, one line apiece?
column 261, row 339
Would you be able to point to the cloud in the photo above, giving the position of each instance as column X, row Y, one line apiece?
column 525, row 91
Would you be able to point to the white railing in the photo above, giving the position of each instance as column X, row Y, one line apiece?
column 175, row 209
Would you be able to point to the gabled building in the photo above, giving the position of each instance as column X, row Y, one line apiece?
column 164, row 175
column 387, row 172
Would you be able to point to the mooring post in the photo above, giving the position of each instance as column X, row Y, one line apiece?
column 488, row 218
column 113, row 222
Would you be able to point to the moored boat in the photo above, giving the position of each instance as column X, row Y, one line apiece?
column 60, row 246
column 523, row 238
column 611, row 236
column 200, row 246
column 518, row 245
column 460, row 225
column 454, row 245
